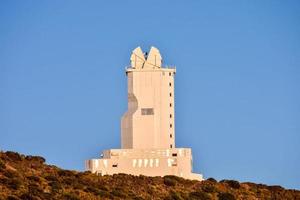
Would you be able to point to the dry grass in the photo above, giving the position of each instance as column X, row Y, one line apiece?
column 29, row 178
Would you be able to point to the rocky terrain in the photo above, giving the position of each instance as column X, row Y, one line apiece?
column 29, row 178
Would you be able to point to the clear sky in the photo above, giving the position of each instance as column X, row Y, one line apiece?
column 63, row 85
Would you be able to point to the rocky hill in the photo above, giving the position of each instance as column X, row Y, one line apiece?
column 29, row 178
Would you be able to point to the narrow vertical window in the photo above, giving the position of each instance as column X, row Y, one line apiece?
column 151, row 162
column 170, row 94
column 170, row 104
column 134, row 163
column 170, row 84
column 170, row 115
column 170, row 74
column 171, row 146
column 140, row 162
column 170, row 125
column 170, row 135
column 156, row 162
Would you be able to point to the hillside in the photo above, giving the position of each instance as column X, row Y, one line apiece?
column 28, row 177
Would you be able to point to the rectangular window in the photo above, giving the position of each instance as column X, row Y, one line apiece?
column 170, row 94
column 147, row 111
column 134, row 162
column 174, row 154
column 140, row 162
column 170, row 125
column 170, row 135
column 151, row 162
column 170, row 104
column 156, row 162
column 170, row 115
column 115, row 165
column 170, row 74
column 170, row 84
column 171, row 146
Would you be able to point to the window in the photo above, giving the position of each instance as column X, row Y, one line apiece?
column 170, row 74
column 151, row 162
column 147, row 111
column 171, row 125
column 145, row 162
column 170, row 94
column 170, row 84
column 170, row 115
column 171, row 146
column 134, row 163
column 171, row 136
column 140, row 162
column 156, row 162
column 170, row 104
column 174, row 154
column 115, row 165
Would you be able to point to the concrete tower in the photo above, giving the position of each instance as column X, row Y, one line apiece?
column 147, row 128
column 149, row 121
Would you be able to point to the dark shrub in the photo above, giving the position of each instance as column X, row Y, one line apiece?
column 2, row 165
column 275, row 188
column 199, row 195
column 34, row 189
column 34, row 178
column 175, row 195
column 103, row 187
column 226, row 196
column 85, row 173
column 212, row 180
column 105, row 194
column 169, row 181
column 55, row 187
column 209, row 188
column 28, row 196
column 176, row 178
column 137, row 198
column 78, row 186
column 14, row 156
column 11, row 197
column 69, row 181
column 10, row 174
column 51, row 178
column 232, row 183
column 65, row 173
column 140, row 177
column 14, row 183
column 119, row 193
column 93, row 190
column 70, row 196
column 37, row 159
column 4, row 181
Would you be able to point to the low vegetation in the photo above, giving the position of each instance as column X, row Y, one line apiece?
column 29, row 178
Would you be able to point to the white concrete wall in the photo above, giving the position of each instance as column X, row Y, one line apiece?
column 149, row 162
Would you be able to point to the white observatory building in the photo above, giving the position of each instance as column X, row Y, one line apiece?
column 148, row 126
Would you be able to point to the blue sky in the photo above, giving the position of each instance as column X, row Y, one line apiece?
column 63, row 85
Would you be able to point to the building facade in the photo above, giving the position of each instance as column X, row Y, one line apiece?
column 148, row 126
